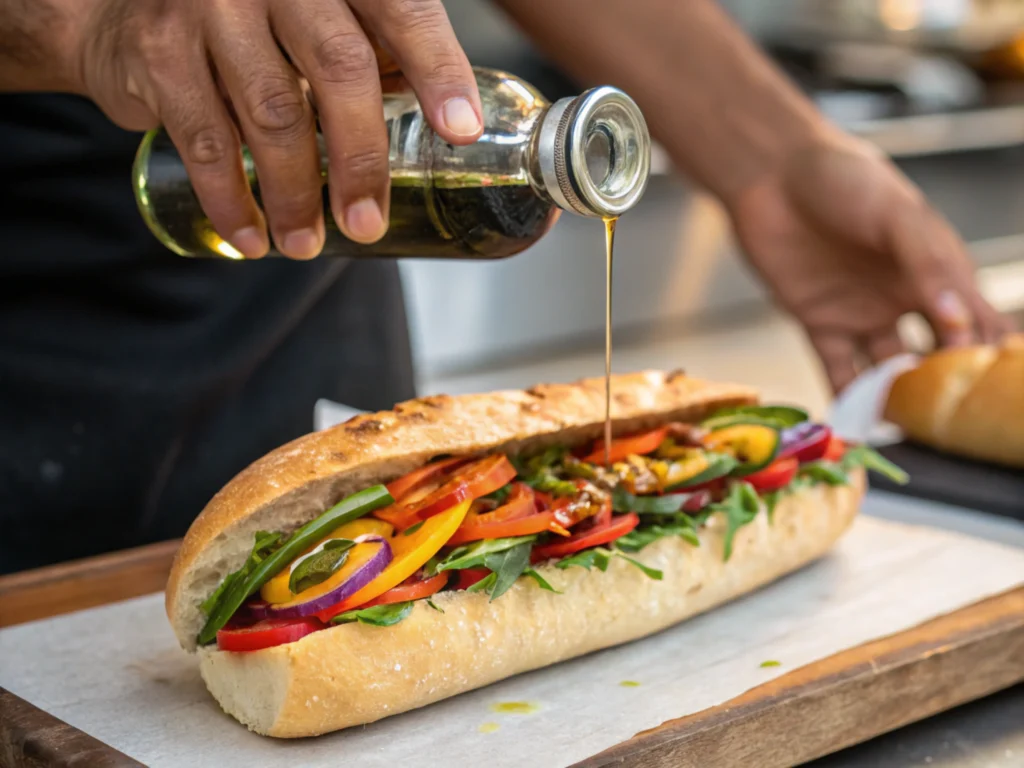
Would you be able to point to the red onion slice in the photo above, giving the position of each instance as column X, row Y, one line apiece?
column 358, row 579
column 805, row 442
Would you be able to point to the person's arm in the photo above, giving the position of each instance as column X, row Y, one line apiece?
column 716, row 103
column 846, row 243
column 37, row 38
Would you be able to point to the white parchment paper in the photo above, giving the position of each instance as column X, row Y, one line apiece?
column 116, row 672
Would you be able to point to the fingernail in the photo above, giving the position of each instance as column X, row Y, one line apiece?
column 301, row 244
column 951, row 309
column 364, row 221
column 250, row 242
column 460, row 117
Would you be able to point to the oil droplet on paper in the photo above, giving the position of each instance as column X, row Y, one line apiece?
column 514, row 707
column 629, row 684
column 771, row 663
column 488, row 727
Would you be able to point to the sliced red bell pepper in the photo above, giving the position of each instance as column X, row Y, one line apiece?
column 407, row 483
column 469, row 482
column 265, row 634
column 776, row 475
column 411, row 589
column 470, row 576
column 836, row 449
column 642, row 444
column 619, row 525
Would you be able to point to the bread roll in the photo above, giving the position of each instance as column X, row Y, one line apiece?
column 353, row 674
column 967, row 401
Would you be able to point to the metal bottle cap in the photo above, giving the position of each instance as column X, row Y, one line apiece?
column 594, row 153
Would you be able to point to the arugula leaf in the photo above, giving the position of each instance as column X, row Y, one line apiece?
column 377, row 616
column 264, row 546
column 499, row 496
column 547, row 482
column 680, row 524
column 541, row 581
column 508, row 566
column 652, row 573
column 598, row 557
column 601, row 558
column 740, row 507
column 667, row 504
column 433, row 605
column 319, row 565
column 474, row 555
column 771, row 500
column 824, row 472
column 548, row 458
column 538, row 471
column 484, row 585
column 870, row 459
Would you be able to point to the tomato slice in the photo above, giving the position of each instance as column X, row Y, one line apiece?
column 835, row 450
column 642, row 444
column 266, row 634
column 403, row 485
column 470, row 576
column 776, row 475
column 410, row 589
column 619, row 525
column 469, row 482
column 410, row 552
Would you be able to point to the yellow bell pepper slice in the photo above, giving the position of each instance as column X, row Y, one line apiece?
column 410, row 553
column 276, row 591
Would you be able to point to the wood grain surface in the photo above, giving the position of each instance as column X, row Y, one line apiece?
column 87, row 583
column 845, row 699
column 31, row 737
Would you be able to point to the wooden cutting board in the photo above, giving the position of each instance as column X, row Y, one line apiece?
column 815, row 710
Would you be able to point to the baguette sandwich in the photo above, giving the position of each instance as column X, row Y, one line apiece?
column 407, row 556
column 967, row 401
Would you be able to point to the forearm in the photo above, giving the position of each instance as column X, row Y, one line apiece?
column 38, row 41
column 725, row 114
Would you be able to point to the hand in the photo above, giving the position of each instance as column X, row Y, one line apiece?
column 849, row 245
column 218, row 72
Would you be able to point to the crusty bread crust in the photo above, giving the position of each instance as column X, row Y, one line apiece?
column 967, row 401
column 295, row 483
column 354, row 674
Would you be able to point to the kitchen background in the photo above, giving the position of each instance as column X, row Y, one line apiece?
column 932, row 82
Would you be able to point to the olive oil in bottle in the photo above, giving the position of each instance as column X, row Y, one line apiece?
column 489, row 200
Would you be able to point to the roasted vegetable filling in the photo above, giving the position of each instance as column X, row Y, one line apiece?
column 481, row 523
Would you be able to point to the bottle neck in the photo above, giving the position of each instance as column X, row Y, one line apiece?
column 591, row 154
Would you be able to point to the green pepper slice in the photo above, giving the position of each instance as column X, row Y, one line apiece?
column 348, row 509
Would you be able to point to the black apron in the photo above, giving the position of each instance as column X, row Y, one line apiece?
column 134, row 383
